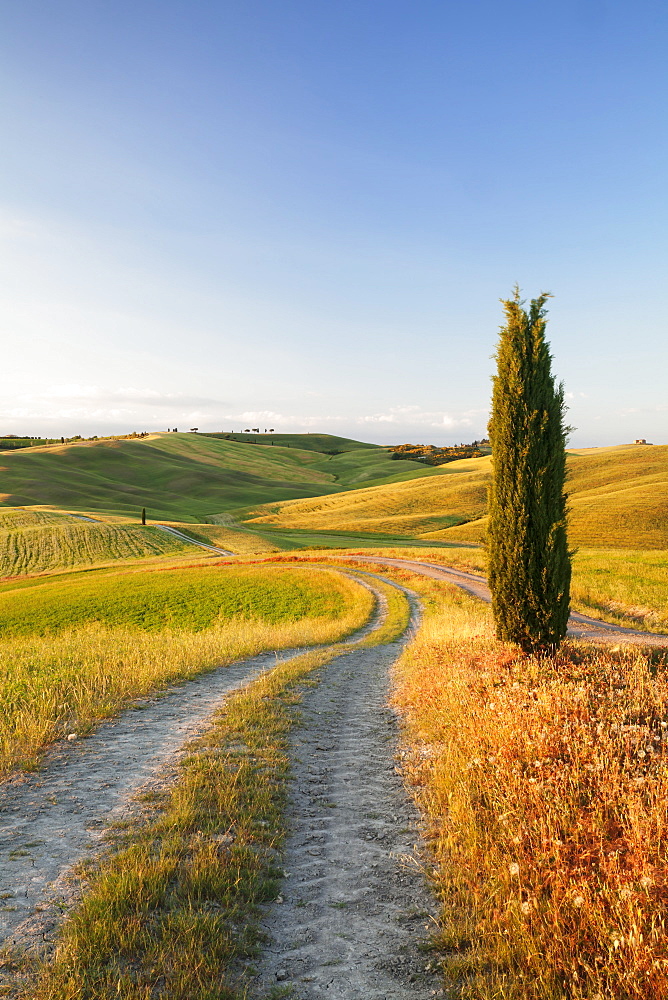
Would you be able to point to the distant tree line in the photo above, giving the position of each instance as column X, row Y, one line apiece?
column 429, row 454
column 9, row 442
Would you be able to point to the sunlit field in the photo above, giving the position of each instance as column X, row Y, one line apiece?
column 75, row 649
column 545, row 789
column 41, row 541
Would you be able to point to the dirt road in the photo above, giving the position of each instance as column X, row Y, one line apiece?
column 579, row 627
column 58, row 815
column 354, row 903
column 355, row 914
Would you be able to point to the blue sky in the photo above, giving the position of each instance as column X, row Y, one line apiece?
column 303, row 214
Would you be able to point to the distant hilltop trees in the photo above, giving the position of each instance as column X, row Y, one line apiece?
column 9, row 442
column 429, row 454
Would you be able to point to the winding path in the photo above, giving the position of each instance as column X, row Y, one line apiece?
column 355, row 908
column 579, row 627
column 354, row 912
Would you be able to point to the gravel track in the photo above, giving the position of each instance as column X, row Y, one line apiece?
column 580, row 626
column 354, row 898
column 355, row 911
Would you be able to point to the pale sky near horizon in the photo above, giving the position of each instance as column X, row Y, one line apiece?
column 302, row 214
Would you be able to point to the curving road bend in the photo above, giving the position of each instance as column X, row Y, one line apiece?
column 580, row 626
column 185, row 538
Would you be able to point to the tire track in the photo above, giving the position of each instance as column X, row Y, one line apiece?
column 58, row 816
column 579, row 627
column 355, row 912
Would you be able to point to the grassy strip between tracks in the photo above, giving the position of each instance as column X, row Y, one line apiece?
column 544, row 786
column 172, row 910
column 54, row 685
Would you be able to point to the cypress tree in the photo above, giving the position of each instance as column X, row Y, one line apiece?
column 529, row 560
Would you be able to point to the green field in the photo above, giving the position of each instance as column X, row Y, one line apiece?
column 187, row 477
column 78, row 647
column 192, row 598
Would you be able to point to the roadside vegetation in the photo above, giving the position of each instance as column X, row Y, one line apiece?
column 544, row 785
column 84, row 646
column 173, row 908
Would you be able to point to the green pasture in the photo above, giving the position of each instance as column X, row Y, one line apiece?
column 193, row 599
column 185, row 477
column 297, row 538
column 324, row 443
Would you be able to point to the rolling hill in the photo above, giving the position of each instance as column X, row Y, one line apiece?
column 188, row 477
column 618, row 497
column 310, row 489
column 41, row 541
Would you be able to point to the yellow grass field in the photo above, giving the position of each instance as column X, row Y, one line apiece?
column 544, row 787
column 618, row 497
column 415, row 507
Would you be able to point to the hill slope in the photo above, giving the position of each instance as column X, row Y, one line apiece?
column 41, row 541
column 186, row 477
column 618, row 497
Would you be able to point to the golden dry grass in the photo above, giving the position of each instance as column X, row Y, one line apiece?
column 618, row 497
column 544, row 784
